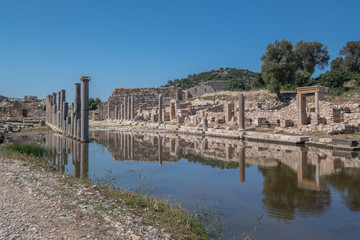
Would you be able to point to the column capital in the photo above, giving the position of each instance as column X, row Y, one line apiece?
column 85, row 78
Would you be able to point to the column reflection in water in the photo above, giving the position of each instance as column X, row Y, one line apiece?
column 76, row 157
column 84, row 159
column 62, row 147
column 132, row 147
column 241, row 164
column 160, row 150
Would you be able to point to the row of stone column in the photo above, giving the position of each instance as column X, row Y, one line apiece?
column 74, row 121
column 124, row 111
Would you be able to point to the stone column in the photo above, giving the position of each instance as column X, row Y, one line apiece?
column 68, row 123
column 71, row 133
column 205, row 121
column 160, row 102
column 78, row 129
column 301, row 101
column 58, row 109
column 109, row 103
column 85, row 108
column 228, row 111
column 125, row 108
column 62, row 95
column 116, row 112
column 129, row 109
column 241, row 116
column 121, row 111
column 64, row 115
column 77, row 109
column 172, row 110
column 132, row 108
column 241, row 164
column 54, row 109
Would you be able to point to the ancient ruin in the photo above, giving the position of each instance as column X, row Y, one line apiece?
column 71, row 121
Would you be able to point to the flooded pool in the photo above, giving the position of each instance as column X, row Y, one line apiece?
column 302, row 193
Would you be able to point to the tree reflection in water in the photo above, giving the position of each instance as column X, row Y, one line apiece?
column 283, row 199
column 347, row 182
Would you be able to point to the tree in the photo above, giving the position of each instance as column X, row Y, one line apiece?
column 279, row 65
column 335, row 79
column 258, row 82
column 336, row 64
column 302, row 78
column 309, row 55
column 238, row 84
column 351, row 56
column 93, row 103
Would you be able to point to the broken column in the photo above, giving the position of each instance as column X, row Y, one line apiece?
column 241, row 116
column 160, row 108
column 205, row 121
column 85, row 108
column 228, row 111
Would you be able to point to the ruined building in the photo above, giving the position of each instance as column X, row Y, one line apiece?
column 22, row 108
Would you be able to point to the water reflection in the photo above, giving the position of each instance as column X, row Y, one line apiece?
column 63, row 148
column 297, row 181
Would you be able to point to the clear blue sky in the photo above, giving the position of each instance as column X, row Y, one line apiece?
column 46, row 45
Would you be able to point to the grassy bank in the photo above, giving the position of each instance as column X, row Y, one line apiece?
column 180, row 223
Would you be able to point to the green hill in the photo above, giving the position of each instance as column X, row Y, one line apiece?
column 2, row 98
column 239, row 79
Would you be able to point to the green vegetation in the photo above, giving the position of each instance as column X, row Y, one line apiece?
column 29, row 149
column 93, row 103
column 2, row 98
column 239, row 79
column 286, row 66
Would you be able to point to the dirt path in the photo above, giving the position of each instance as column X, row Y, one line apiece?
column 37, row 204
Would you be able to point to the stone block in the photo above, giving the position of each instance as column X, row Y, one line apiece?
column 286, row 123
column 345, row 142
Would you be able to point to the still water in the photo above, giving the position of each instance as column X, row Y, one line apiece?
column 302, row 193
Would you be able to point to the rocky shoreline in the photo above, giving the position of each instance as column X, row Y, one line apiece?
column 38, row 204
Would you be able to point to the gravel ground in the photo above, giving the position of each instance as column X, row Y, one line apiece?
column 38, row 204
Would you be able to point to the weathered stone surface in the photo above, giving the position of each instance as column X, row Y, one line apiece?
column 344, row 142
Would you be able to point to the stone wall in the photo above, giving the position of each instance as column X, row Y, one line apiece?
column 207, row 87
column 22, row 108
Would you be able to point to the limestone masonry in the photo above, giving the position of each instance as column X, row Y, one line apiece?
column 295, row 113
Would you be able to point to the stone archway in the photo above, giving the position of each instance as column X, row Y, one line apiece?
column 301, row 101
